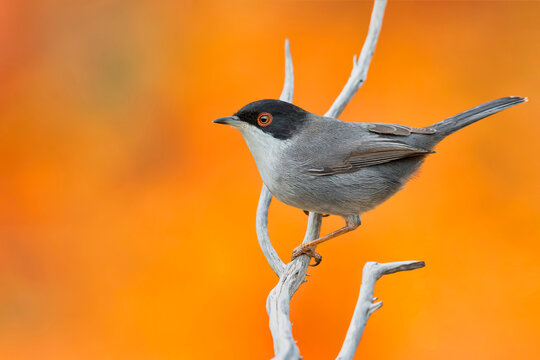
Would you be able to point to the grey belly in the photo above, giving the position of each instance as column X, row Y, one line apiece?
column 343, row 194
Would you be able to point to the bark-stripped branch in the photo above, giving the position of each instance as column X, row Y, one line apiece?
column 265, row 198
column 277, row 303
column 360, row 67
column 262, row 233
column 288, row 84
column 293, row 274
column 365, row 305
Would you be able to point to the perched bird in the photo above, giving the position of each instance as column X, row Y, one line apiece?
column 329, row 166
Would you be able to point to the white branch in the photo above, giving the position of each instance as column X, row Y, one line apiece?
column 360, row 67
column 293, row 274
column 262, row 232
column 277, row 303
column 288, row 84
column 265, row 198
column 365, row 307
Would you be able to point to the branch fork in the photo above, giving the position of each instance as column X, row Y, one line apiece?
column 292, row 275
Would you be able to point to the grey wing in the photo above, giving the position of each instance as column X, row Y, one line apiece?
column 369, row 151
column 367, row 154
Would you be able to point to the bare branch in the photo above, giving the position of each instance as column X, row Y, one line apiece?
column 265, row 198
column 277, row 303
column 262, row 232
column 360, row 67
column 288, row 84
column 365, row 307
column 293, row 274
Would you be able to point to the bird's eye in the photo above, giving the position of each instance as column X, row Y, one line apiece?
column 264, row 119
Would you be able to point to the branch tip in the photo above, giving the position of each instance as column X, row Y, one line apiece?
column 374, row 307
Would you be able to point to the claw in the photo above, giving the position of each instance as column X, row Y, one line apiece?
column 309, row 251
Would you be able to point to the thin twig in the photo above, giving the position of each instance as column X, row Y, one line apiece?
column 360, row 67
column 265, row 198
column 365, row 306
column 262, row 232
column 288, row 84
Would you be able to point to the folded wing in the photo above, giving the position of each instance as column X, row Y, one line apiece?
column 368, row 153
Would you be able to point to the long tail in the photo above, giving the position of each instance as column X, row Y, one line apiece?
column 456, row 122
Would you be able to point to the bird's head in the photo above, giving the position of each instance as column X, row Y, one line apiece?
column 276, row 118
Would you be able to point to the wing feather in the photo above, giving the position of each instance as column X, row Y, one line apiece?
column 369, row 154
column 398, row 130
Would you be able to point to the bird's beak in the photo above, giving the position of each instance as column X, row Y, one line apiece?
column 228, row 120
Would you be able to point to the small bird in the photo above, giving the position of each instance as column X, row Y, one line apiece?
column 329, row 166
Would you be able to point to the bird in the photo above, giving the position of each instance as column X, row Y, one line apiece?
column 329, row 166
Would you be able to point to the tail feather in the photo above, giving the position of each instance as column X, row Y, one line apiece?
column 456, row 122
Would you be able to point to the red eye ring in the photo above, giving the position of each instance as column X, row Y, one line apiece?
column 264, row 119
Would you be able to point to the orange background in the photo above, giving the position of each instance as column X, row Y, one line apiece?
column 127, row 218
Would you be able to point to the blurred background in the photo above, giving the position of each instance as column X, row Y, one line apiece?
column 127, row 217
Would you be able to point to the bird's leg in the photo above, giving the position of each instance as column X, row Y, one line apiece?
column 351, row 223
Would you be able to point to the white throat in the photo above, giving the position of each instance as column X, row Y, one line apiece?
column 266, row 150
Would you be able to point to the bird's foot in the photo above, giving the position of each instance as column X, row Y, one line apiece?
column 309, row 251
